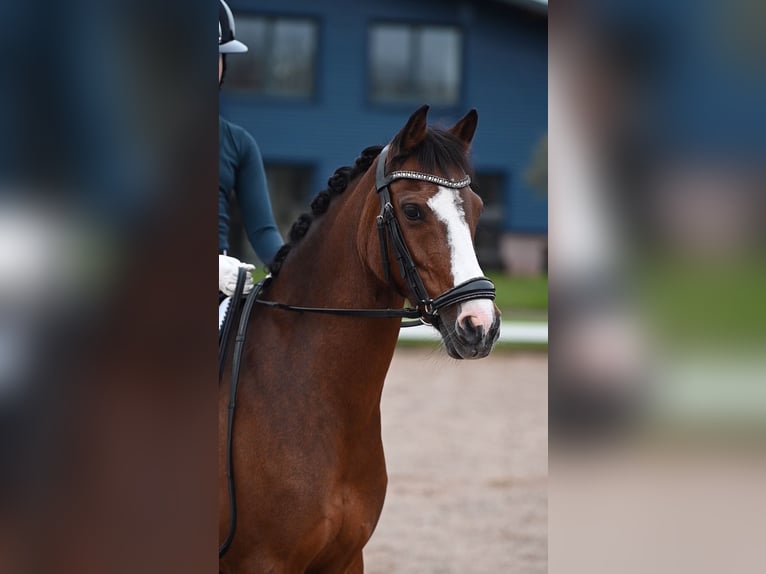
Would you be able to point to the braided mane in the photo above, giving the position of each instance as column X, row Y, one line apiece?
column 336, row 185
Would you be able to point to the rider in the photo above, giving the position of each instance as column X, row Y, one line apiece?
column 240, row 170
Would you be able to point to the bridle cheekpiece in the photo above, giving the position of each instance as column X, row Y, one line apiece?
column 389, row 230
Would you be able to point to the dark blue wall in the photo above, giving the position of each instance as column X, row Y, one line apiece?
column 504, row 78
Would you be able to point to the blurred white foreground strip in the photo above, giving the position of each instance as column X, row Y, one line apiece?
column 510, row 332
column 41, row 271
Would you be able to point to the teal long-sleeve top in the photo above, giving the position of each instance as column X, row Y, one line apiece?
column 241, row 172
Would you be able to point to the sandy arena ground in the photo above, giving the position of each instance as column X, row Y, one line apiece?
column 466, row 448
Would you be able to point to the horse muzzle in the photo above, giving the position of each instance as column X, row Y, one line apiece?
column 473, row 332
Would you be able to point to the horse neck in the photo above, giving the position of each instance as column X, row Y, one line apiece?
column 331, row 267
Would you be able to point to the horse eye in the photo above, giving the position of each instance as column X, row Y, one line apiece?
column 412, row 211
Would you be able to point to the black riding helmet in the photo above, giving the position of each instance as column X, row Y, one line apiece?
column 227, row 44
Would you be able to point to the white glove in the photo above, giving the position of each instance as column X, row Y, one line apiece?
column 228, row 268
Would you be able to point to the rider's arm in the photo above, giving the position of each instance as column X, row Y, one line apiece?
column 255, row 205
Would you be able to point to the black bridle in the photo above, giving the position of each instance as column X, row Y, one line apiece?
column 389, row 230
column 426, row 308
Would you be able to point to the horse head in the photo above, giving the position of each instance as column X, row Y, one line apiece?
column 427, row 204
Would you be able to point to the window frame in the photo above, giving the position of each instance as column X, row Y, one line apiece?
column 406, row 104
column 316, row 21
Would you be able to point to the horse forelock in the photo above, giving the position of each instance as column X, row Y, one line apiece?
column 439, row 153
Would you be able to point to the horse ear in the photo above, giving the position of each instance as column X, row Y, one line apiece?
column 414, row 131
column 466, row 127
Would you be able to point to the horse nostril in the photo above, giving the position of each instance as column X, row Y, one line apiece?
column 470, row 333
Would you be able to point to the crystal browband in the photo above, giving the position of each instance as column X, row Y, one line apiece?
column 454, row 184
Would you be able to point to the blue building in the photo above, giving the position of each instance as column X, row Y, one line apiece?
column 323, row 80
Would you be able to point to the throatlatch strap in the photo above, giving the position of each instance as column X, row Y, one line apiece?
column 383, row 241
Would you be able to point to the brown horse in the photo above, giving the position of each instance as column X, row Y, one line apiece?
column 307, row 453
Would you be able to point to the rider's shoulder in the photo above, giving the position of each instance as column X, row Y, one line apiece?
column 238, row 135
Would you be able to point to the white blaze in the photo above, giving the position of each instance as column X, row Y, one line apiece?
column 447, row 206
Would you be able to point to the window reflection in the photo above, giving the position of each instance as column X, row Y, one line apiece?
column 414, row 63
column 281, row 60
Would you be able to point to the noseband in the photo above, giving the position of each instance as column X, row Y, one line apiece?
column 389, row 230
column 426, row 309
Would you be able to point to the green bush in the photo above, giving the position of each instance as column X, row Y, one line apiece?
column 520, row 293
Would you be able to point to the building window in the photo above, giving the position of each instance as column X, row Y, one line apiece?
column 281, row 60
column 290, row 193
column 490, row 187
column 415, row 63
